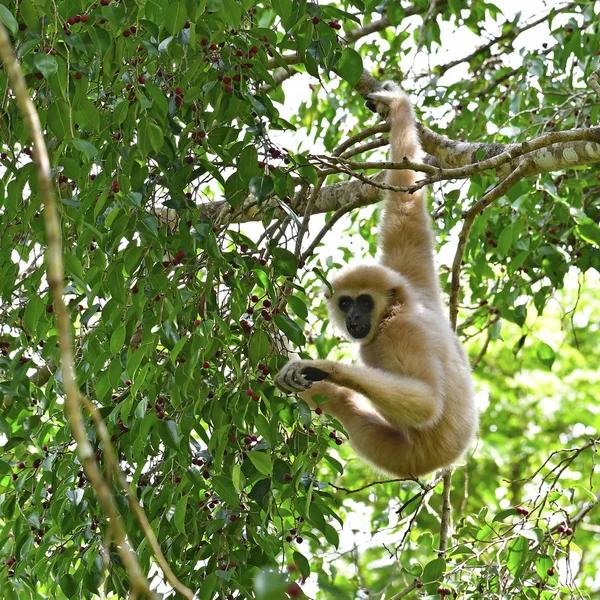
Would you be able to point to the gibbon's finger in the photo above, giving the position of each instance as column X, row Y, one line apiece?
column 299, row 381
column 289, row 380
column 314, row 374
column 371, row 106
column 391, row 86
column 281, row 385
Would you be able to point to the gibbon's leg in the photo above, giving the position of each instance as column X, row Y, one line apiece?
column 404, row 401
column 406, row 237
column 382, row 444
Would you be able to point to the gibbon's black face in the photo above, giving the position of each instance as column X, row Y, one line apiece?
column 359, row 312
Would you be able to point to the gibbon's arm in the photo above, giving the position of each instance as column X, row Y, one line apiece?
column 405, row 238
column 370, row 434
column 404, row 401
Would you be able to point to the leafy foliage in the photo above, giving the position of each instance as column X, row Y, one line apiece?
column 154, row 112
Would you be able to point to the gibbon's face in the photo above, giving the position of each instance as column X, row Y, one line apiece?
column 358, row 314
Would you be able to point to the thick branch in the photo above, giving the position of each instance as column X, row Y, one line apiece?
column 547, row 153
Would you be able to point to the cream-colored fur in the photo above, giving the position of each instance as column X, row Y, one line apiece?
column 409, row 409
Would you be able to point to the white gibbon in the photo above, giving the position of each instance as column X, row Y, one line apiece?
column 409, row 409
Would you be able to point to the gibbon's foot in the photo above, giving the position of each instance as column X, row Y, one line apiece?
column 380, row 101
column 298, row 376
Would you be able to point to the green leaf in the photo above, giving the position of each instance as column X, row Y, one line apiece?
column 179, row 516
column 505, row 240
column 33, row 313
column 298, row 306
column 68, row 585
column 350, row 66
column 545, row 354
column 46, row 63
column 89, row 150
column 223, row 486
column 59, row 119
column 331, row 535
column 117, row 339
column 259, row 346
column 503, row 514
column 285, row 262
column 150, row 137
column 302, row 563
column 270, row 585
column 434, row 570
column 248, row 164
column 290, row 328
column 7, row 18
column 261, row 187
column 176, row 17
column 31, row 17
column 169, row 434
column 158, row 98
column 589, row 231
column 395, row 13
column 262, row 462
column 177, row 348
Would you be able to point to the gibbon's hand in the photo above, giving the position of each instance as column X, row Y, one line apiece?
column 298, row 376
column 380, row 101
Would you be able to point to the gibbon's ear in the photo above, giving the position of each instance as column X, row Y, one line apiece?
column 326, row 291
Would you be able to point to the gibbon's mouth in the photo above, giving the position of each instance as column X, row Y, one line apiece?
column 358, row 331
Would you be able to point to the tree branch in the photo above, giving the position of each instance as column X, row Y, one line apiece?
column 511, row 34
column 482, row 204
column 138, row 511
column 594, row 81
column 446, row 513
column 85, row 451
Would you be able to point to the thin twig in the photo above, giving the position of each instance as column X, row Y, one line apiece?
column 85, row 450
column 446, row 513
column 510, row 34
column 593, row 81
column 407, row 590
column 360, row 136
column 372, row 145
column 310, row 205
column 463, row 237
column 329, row 225
column 368, row 485
column 113, row 463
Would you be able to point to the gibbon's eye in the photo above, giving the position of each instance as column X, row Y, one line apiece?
column 365, row 303
column 345, row 303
